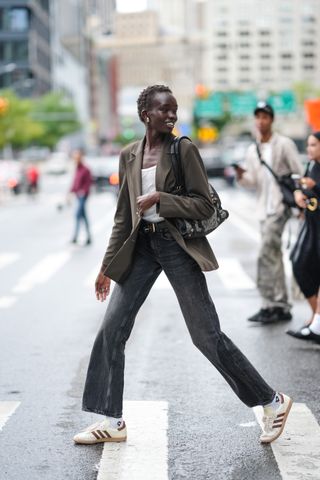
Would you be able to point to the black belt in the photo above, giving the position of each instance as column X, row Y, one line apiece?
column 149, row 227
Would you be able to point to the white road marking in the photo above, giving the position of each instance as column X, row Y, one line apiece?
column 101, row 225
column 6, row 302
column 297, row 449
column 248, row 424
column 42, row 271
column 162, row 283
column 245, row 227
column 6, row 410
column 233, row 275
column 8, row 258
column 91, row 278
column 145, row 454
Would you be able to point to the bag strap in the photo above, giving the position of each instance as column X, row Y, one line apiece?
column 306, row 173
column 264, row 163
column 270, row 169
column 176, row 161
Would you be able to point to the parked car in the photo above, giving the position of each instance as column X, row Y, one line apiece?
column 213, row 161
column 57, row 164
column 11, row 176
column 104, row 171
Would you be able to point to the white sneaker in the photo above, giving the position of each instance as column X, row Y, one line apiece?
column 101, row 432
column 275, row 420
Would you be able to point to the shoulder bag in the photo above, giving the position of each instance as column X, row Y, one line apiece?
column 286, row 182
column 190, row 228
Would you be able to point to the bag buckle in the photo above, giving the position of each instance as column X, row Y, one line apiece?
column 312, row 204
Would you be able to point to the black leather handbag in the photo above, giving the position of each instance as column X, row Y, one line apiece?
column 190, row 228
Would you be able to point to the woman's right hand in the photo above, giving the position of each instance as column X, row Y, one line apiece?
column 300, row 199
column 102, row 287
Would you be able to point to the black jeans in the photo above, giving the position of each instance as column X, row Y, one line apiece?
column 155, row 252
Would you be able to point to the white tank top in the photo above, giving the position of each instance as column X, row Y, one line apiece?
column 148, row 176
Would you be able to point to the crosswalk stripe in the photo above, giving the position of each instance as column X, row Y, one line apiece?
column 7, row 301
column 8, row 258
column 134, row 459
column 162, row 282
column 233, row 275
column 91, row 278
column 42, row 271
column 245, row 227
column 102, row 225
column 296, row 450
column 6, row 410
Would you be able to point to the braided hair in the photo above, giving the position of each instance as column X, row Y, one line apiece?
column 146, row 96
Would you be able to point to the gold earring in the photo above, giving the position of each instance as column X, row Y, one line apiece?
column 148, row 119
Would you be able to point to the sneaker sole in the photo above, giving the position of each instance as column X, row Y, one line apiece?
column 101, row 440
column 270, row 440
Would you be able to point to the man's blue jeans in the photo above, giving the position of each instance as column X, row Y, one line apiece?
column 81, row 215
column 155, row 252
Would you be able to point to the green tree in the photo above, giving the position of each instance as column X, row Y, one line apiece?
column 16, row 127
column 305, row 90
column 58, row 117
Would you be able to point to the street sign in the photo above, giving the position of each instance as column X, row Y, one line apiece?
column 211, row 107
column 283, row 102
column 242, row 103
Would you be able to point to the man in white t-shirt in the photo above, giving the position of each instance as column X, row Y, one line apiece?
column 281, row 154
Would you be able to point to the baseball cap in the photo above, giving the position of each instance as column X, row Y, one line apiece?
column 264, row 107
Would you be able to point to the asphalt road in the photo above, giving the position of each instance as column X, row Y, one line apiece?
column 48, row 321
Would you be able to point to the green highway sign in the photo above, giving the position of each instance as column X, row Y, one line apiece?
column 242, row 103
column 283, row 102
column 211, row 107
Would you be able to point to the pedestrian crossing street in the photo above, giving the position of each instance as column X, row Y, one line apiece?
column 295, row 452
column 231, row 273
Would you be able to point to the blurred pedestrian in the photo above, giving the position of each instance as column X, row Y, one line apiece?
column 32, row 175
column 143, row 243
column 306, row 252
column 279, row 153
column 81, row 188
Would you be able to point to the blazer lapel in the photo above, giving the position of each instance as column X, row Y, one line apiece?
column 135, row 164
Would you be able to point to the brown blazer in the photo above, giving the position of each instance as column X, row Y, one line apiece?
column 197, row 205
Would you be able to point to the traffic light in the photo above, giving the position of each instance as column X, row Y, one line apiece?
column 4, row 105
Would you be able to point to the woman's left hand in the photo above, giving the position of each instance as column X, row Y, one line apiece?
column 307, row 182
column 144, row 202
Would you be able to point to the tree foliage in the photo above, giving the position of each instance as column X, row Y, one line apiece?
column 58, row 117
column 16, row 126
column 42, row 121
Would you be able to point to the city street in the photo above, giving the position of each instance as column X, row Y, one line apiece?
column 184, row 422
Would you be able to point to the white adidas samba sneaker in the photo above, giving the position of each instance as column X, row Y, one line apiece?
column 101, row 432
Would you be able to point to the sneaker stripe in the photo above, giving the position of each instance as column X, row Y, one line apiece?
column 122, row 427
column 101, row 434
column 95, row 435
column 281, row 415
column 107, row 433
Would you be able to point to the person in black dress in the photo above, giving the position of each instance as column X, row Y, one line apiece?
column 305, row 255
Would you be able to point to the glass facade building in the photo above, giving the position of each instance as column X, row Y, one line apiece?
column 25, row 56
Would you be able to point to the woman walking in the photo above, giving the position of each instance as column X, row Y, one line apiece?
column 306, row 252
column 144, row 241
